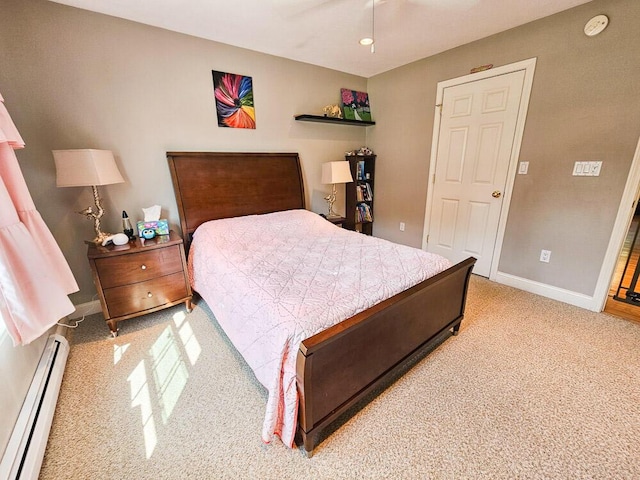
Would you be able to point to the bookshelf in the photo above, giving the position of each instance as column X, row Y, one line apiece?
column 360, row 194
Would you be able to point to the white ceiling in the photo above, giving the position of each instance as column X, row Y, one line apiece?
column 327, row 32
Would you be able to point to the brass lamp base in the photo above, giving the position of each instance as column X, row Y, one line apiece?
column 331, row 200
column 96, row 216
column 101, row 237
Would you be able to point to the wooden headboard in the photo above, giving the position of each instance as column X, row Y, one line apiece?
column 214, row 185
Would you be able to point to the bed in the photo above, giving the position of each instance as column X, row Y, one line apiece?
column 342, row 362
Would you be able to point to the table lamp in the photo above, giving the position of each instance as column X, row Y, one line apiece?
column 332, row 173
column 84, row 168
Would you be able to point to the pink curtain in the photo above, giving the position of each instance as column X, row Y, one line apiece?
column 35, row 278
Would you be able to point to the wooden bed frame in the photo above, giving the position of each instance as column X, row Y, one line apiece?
column 345, row 364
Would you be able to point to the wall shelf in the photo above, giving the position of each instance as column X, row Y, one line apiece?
column 341, row 121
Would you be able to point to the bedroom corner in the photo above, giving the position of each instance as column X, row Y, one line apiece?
column 35, row 282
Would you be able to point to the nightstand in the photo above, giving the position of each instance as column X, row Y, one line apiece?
column 140, row 277
column 336, row 220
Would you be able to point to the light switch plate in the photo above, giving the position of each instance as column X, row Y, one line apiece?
column 523, row 169
column 587, row 169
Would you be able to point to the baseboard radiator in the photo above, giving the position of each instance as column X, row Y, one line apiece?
column 23, row 456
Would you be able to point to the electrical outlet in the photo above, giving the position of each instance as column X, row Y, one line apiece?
column 545, row 256
column 402, row 226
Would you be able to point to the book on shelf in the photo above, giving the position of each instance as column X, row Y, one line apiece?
column 363, row 213
column 368, row 194
column 364, row 193
column 360, row 170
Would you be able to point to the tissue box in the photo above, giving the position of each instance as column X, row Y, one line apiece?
column 160, row 226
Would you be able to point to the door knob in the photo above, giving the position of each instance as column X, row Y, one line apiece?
column 496, row 194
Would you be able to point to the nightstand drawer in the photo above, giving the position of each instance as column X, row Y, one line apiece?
column 139, row 267
column 127, row 299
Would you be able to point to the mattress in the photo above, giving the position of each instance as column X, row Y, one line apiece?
column 273, row 280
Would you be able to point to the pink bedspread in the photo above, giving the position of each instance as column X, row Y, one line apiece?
column 273, row 280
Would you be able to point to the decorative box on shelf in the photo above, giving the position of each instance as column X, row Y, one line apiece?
column 161, row 226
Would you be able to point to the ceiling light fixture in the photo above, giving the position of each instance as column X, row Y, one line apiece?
column 370, row 40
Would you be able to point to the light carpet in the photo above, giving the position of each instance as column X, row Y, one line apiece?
column 530, row 388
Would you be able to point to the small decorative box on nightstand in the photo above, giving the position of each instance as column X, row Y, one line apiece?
column 140, row 277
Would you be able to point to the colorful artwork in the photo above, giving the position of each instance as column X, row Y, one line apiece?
column 355, row 105
column 234, row 100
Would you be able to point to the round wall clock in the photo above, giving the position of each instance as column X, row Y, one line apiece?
column 596, row 25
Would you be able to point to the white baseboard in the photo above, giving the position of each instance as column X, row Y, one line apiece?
column 549, row 291
column 88, row 308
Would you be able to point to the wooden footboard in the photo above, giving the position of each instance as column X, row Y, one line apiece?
column 338, row 367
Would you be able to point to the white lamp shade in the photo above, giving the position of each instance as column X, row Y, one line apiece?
column 336, row 172
column 85, row 167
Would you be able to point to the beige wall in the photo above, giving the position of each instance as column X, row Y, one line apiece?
column 585, row 105
column 75, row 79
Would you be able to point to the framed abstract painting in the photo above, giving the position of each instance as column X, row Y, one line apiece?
column 234, row 100
column 355, row 105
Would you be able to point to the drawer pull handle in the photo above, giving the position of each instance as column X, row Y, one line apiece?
column 149, row 294
column 143, row 267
